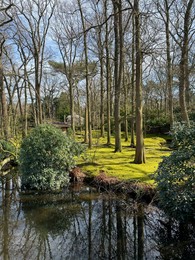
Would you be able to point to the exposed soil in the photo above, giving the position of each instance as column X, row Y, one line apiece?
column 136, row 190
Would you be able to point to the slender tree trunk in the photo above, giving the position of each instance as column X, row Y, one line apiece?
column 69, row 76
column 132, row 144
column 79, row 106
column 102, row 100
column 139, row 152
column 187, row 87
column 86, row 77
column 19, row 92
column 11, row 109
column 118, row 70
column 101, row 84
column 4, row 112
column 32, row 103
column 71, row 89
column 86, row 126
column 38, row 90
column 182, row 90
column 125, row 85
column 169, row 66
column 25, row 131
column 108, row 79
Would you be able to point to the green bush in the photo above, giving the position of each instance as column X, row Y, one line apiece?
column 162, row 121
column 46, row 156
column 175, row 176
column 182, row 135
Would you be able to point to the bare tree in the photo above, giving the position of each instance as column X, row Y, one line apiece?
column 164, row 11
column 33, row 19
column 5, row 19
column 182, row 33
column 66, row 36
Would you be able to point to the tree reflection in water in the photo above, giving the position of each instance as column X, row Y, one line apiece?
column 84, row 224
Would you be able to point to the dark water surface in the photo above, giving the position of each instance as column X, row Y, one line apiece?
column 81, row 223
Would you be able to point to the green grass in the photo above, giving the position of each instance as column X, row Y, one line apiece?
column 121, row 165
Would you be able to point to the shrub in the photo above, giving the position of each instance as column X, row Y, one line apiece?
column 183, row 135
column 175, row 176
column 46, row 156
column 157, row 125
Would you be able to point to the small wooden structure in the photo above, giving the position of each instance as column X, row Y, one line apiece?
column 62, row 125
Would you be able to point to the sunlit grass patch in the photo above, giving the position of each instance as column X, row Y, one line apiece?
column 121, row 165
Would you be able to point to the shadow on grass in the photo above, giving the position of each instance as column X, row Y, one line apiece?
column 107, row 145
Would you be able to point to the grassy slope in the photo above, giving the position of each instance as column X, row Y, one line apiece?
column 121, row 165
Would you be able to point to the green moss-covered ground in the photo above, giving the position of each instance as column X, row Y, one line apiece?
column 121, row 165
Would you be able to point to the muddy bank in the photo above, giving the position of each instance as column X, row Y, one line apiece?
column 136, row 190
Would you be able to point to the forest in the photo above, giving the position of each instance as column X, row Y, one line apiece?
column 118, row 77
column 110, row 64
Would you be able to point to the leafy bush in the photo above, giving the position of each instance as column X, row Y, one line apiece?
column 157, row 125
column 175, row 176
column 183, row 135
column 162, row 121
column 46, row 156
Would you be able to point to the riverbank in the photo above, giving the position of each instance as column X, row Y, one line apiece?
column 138, row 191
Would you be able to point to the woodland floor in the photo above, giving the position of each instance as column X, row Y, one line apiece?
column 102, row 158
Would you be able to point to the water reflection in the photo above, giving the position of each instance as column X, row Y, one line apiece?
column 83, row 224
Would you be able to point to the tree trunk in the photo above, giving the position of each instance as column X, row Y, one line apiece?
column 108, row 79
column 86, row 77
column 132, row 144
column 71, row 89
column 11, row 107
column 101, row 84
column 118, row 70
column 79, row 106
column 4, row 112
column 184, row 69
column 169, row 66
column 86, row 140
column 38, row 90
column 125, row 85
column 25, row 130
column 139, row 152
column 32, row 103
